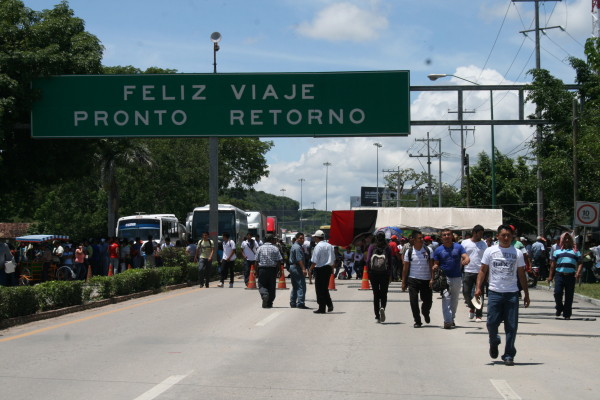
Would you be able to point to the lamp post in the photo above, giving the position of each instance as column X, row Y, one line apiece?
column 378, row 145
column 301, row 180
column 282, row 190
column 434, row 77
column 213, row 165
column 327, row 164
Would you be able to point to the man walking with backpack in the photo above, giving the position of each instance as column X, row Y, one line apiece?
column 205, row 251
column 380, row 274
column 417, row 275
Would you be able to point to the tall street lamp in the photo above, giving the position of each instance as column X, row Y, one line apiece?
column 301, row 180
column 378, row 145
column 282, row 190
column 213, row 164
column 434, row 77
column 327, row 164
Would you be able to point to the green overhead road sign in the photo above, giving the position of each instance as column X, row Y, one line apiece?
column 259, row 105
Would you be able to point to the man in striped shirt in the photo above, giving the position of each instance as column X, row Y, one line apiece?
column 268, row 260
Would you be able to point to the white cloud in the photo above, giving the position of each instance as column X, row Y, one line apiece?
column 354, row 160
column 344, row 22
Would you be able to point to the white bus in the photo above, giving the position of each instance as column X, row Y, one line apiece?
column 231, row 219
column 159, row 226
column 257, row 224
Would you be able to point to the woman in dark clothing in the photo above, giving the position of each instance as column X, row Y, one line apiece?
column 379, row 267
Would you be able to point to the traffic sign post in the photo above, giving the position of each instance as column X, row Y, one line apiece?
column 587, row 214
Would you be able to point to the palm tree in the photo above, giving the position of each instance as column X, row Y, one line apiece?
column 113, row 154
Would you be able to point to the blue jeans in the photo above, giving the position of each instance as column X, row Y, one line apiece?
column 564, row 283
column 503, row 307
column 450, row 299
column 204, row 271
column 298, row 286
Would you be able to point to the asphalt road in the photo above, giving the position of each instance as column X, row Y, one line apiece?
column 218, row 343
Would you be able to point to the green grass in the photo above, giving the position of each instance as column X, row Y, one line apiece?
column 586, row 289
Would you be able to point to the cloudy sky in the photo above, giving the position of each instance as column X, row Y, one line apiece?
column 478, row 40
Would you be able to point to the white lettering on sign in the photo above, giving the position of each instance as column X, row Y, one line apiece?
column 294, row 116
column 164, row 92
column 126, row 118
column 270, row 92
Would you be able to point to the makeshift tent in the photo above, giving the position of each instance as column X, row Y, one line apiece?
column 424, row 218
column 346, row 226
column 40, row 238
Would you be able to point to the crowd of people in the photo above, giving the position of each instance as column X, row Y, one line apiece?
column 495, row 265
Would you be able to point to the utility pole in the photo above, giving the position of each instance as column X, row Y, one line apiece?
column 429, row 155
column 463, row 159
column 538, row 135
column 439, row 171
column 575, row 170
column 460, row 113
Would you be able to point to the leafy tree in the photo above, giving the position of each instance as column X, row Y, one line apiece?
column 556, row 149
column 515, row 188
column 397, row 182
column 112, row 154
column 36, row 44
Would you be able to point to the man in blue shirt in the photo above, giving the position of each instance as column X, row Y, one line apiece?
column 565, row 269
column 298, row 273
column 450, row 257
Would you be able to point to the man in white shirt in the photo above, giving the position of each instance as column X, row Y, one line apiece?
column 475, row 247
column 506, row 267
column 249, row 247
column 228, row 261
column 323, row 259
column 417, row 276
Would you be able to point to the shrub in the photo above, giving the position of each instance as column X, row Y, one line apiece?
column 171, row 275
column 17, row 301
column 58, row 294
column 136, row 280
column 99, row 287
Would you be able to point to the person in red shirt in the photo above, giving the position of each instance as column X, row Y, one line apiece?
column 396, row 274
column 113, row 254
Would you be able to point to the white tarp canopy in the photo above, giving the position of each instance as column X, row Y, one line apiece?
column 457, row 219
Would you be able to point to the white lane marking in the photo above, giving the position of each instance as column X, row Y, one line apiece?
column 268, row 319
column 161, row 387
column 504, row 389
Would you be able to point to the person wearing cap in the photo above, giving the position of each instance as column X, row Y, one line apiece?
column 506, row 267
column 268, row 260
column 450, row 257
column 475, row 247
column 228, row 260
column 322, row 262
column 396, row 258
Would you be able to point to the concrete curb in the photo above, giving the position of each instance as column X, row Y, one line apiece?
column 590, row 300
column 7, row 323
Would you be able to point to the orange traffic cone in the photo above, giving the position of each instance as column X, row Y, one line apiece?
column 365, row 280
column 331, row 283
column 89, row 274
column 251, row 279
column 281, row 283
column 110, row 270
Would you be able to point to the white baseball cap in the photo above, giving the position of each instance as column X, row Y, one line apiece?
column 319, row 233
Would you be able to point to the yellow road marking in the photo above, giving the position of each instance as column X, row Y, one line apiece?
column 48, row 328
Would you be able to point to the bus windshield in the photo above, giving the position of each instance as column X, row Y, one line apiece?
column 139, row 228
column 226, row 223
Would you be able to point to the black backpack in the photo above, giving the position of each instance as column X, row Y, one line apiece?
column 379, row 260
